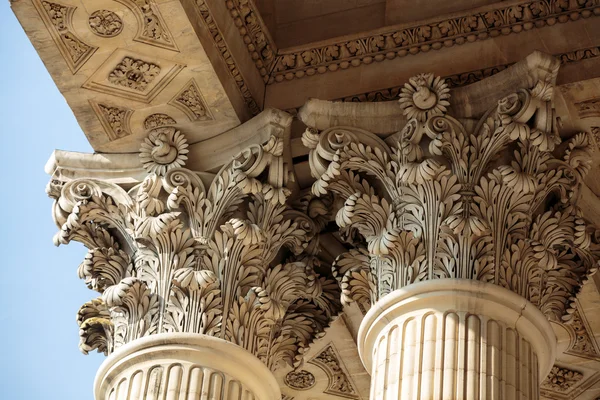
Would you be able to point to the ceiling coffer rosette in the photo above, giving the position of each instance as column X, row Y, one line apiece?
column 182, row 253
column 494, row 200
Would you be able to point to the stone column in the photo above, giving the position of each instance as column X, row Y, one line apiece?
column 455, row 339
column 177, row 366
column 205, row 284
column 466, row 232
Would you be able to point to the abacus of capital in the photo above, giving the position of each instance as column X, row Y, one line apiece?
column 463, row 232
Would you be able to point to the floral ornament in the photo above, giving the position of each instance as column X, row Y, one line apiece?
column 105, row 23
column 424, row 96
column 300, row 380
column 164, row 149
column 134, row 74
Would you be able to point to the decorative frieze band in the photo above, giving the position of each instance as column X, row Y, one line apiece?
column 466, row 78
column 219, row 41
column 279, row 65
column 387, row 45
column 257, row 38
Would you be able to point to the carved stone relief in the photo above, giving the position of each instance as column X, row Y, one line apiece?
column 250, row 26
column 221, row 44
column 589, row 108
column 105, row 23
column 164, row 149
column 430, row 202
column 134, row 74
column 596, row 135
column 561, row 380
column 57, row 18
column 171, row 255
column 339, row 380
column 300, row 380
column 191, row 102
column 152, row 29
column 156, row 120
column 387, row 45
column 114, row 120
column 583, row 343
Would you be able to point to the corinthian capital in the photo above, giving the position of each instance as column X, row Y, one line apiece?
column 181, row 251
column 492, row 198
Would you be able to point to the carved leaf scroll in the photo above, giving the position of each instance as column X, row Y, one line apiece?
column 494, row 201
column 171, row 255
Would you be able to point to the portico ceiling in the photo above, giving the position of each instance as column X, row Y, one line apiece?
column 231, row 59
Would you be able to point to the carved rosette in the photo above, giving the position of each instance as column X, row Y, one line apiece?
column 164, row 149
column 173, row 255
column 561, row 379
column 493, row 201
column 134, row 74
column 105, row 23
column 300, row 380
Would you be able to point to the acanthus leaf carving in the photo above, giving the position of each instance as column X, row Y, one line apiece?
column 157, row 120
column 340, row 383
column 174, row 255
column 492, row 201
column 114, row 120
column 583, row 343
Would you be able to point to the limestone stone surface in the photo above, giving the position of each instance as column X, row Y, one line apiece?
column 200, row 218
column 455, row 339
column 118, row 81
column 184, row 366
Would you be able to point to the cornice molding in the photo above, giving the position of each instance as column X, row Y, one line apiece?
column 258, row 40
column 396, row 41
column 466, row 78
column 225, row 53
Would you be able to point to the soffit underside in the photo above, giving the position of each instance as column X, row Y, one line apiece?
column 224, row 60
column 465, row 46
column 127, row 66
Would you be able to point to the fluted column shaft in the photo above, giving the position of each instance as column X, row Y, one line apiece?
column 184, row 367
column 455, row 339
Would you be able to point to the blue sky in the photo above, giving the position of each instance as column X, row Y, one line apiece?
column 39, row 289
